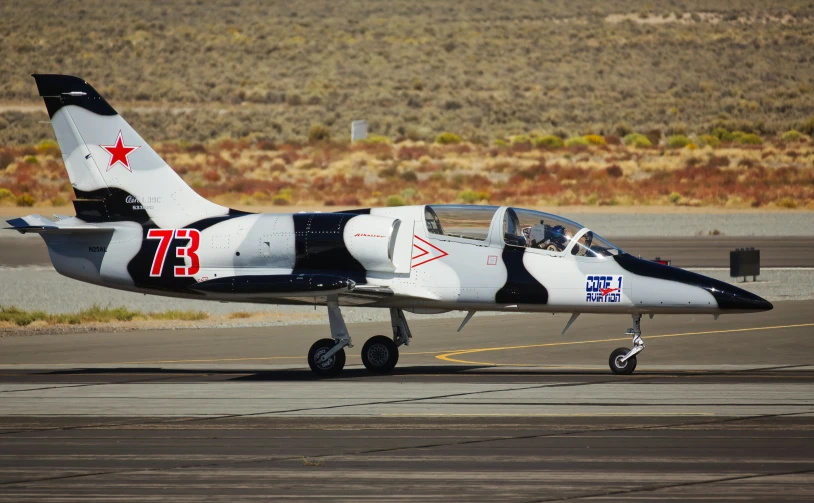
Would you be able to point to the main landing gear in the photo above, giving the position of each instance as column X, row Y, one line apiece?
column 379, row 354
column 623, row 360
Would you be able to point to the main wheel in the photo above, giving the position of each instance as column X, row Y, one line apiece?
column 330, row 367
column 380, row 354
column 619, row 367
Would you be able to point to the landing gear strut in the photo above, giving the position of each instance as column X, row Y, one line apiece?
column 623, row 361
column 381, row 354
column 327, row 356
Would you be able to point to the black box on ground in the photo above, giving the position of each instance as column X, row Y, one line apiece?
column 744, row 262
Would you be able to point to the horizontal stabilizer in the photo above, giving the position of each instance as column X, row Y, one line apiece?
column 41, row 225
column 275, row 284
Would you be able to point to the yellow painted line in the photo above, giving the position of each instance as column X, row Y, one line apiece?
column 448, row 357
column 257, row 358
column 576, row 414
column 247, row 359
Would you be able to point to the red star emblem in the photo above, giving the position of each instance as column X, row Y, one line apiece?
column 118, row 153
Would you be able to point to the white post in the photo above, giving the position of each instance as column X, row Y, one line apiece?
column 358, row 130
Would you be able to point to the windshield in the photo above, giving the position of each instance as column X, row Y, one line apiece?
column 460, row 221
column 544, row 231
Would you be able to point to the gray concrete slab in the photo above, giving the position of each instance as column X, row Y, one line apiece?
column 507, row 410
column 522, row 459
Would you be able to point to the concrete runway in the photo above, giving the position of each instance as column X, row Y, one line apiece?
column 700, row 251
column 507, row 410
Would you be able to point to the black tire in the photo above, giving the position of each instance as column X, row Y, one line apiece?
column 380, row 354
column 335, row 363
column 627, row 367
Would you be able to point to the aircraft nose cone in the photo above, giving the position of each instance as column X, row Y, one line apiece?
column 729, row 297
column 738, row 299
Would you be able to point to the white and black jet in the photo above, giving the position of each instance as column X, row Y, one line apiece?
column 139, row 227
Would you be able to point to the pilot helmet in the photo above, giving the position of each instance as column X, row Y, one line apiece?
column 559, row 234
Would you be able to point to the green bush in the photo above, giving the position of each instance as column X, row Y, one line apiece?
column 25, row 200
column 637, row 140
column 792, row 136
column 58, row 201
column 395, row 200
column 6, row 196
column 472, row 197
column 787, row 202
column 595, row 139
column 97, row 313
column 548, row 141
column 48, row 147
column 746, row 138
column 377, row 139
column 177, row 314
column 447, row 138
column 807, row 127
column 622, row 129
column 499, row 142
column 318, row 132
column 678, row 141
column 93, row 314
column 576, row 141
column 722, row 134
column 675, row 197
column 20, row 317
column 520, row 139
column 31, row 159
column 708, row 139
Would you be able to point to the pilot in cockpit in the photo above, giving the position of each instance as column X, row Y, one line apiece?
column 548, row 238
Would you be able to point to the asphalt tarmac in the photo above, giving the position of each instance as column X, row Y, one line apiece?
column 699, row 251
column 507, row 410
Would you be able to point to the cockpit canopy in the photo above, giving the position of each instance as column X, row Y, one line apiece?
column 535, row 229
column 519, row 227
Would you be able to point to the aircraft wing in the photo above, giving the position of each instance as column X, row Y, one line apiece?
column 291, row 285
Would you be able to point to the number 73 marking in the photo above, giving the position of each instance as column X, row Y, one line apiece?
column 189, row 251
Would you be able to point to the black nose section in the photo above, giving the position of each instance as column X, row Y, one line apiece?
column 728, row 296
column 737, row 299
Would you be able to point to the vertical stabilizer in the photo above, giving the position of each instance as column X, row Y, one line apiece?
column 116, row 175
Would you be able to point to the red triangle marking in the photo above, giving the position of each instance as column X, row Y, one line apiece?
column 443, row 253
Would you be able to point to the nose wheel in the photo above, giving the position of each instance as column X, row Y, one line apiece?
column 620, row 367
column 623, row 360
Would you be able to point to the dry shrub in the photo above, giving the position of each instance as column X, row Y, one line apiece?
column 614, row 171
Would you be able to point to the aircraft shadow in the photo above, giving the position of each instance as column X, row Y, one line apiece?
column 421, row 371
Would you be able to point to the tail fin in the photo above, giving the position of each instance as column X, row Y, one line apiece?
column 114, row 172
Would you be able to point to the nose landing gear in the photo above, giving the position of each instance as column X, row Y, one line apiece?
column 623, row 361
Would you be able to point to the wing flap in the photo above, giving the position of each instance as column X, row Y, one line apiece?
column 275, row 284
column 291, row 285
